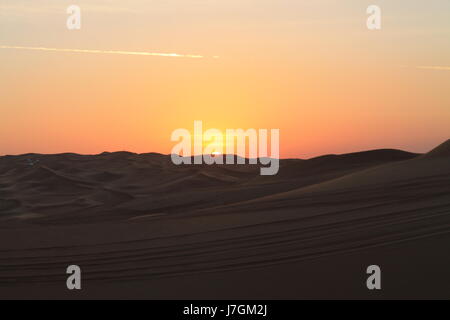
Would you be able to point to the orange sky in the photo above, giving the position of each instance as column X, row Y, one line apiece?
column 312, row 70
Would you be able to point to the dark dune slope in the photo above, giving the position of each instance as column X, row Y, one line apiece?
column 141, row 227
column 442, row 150
column 71, row 188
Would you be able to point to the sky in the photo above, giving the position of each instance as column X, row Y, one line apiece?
column 309, row 68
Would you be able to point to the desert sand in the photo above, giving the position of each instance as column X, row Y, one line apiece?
column 141, row 227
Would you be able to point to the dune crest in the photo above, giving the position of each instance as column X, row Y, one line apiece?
column 143, row 227
column 440, row 151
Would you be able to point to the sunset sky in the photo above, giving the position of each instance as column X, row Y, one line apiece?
column 310, row 68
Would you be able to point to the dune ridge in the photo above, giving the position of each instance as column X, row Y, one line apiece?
column 140, row 223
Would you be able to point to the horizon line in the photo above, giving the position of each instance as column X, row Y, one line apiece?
column 202, row 155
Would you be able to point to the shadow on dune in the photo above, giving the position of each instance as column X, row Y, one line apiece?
column 155, row 229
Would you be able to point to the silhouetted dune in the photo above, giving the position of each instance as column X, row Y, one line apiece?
column 442, row 150
column 140, row 226
column 413, row 174
column 143, row 180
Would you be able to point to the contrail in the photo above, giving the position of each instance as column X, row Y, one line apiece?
column 134, row 53
column 434, row 68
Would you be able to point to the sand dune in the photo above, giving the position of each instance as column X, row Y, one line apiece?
column 142, row 227
column 441, row 151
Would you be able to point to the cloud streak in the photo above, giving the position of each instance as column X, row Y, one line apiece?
column 132, row 53
column 442, row 68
